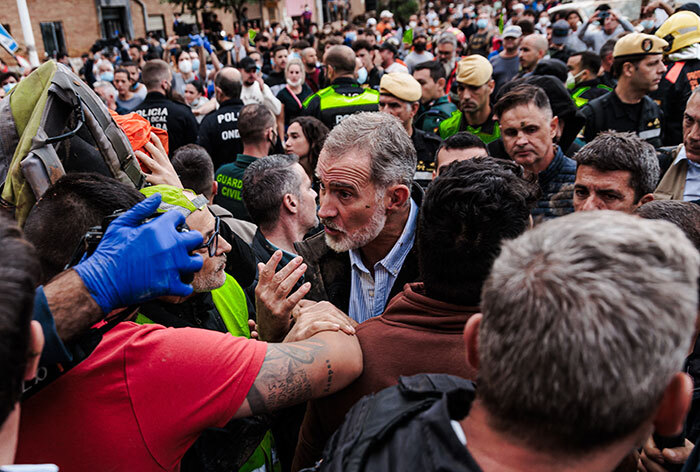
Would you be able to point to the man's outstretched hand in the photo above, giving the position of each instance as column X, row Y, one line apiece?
column 273, row 304
column 136, row 262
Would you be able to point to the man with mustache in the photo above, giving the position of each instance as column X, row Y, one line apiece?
column 682, row 180
column 369, row 207
column 529, row 128
column 474, row 86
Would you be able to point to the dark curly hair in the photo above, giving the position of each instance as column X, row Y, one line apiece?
column 467, row 212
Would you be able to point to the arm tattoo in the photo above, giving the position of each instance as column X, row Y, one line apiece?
column 283, row 379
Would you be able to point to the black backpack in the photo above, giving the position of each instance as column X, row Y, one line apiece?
column 370, row 425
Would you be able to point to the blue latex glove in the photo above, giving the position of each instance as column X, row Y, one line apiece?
column 207, row 45
column 134, row 262
column 195, row 40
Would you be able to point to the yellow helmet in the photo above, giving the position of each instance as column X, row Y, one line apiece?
column 680, row 30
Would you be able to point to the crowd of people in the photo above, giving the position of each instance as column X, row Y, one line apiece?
column 463, row 240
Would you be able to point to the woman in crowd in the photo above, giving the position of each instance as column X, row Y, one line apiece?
column 305, row 138
column 294, row 93
column 194, row 96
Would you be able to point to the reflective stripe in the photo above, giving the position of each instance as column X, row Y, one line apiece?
column 675, row 71
column 423, row 175
column 650, row 133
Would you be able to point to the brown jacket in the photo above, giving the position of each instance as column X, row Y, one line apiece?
column 672, row 184
column 416, row 334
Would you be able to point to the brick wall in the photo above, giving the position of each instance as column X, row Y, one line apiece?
column 79, row 19
column 80, row 23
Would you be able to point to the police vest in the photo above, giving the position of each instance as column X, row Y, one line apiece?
column 334, row 106
column 577, row 95
column 452, row 126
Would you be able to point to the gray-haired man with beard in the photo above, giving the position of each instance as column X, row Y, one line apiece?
column 369, row 207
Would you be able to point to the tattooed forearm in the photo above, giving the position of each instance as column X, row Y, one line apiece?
column 329, row 379
column 283, row 379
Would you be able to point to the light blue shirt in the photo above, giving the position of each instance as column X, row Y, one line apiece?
column 369, row 296
column 692, row 178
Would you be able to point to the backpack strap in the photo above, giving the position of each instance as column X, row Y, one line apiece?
column 79, row 350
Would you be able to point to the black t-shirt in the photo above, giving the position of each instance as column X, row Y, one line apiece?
column 276, row 81
column 293, row 106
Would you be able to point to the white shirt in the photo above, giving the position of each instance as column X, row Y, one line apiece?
column 253, row 94
column 396, row 67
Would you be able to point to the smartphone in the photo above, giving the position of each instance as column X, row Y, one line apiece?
column 183, row 40
column 237, row 41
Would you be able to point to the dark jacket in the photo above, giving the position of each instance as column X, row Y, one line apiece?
column 426, row 145
column 413, row 435
column 673, row 93
column 557, row 185
column 174, row 117
column 430, row 115
column 330, row 272
column 610, row 113
column 393, row 344
column 218, row 133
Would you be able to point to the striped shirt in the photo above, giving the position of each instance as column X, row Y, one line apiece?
column 368, row 295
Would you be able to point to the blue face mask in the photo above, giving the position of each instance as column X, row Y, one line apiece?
column 482, row 23
column 8, row 87
column 351, row 36
column 647, row 24
column 294, row 55
column 362, row 76
column 107, row 76
column 195, row 65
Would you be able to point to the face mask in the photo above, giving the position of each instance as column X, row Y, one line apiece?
column 107, row 76
column 544, row 21
column 647, row 24
column 185, row 66
column 278, row 30
column 195, row 102
column 571, row 80
column 362, row 75
column 272, row 62
column 294, row 83
column 497, row 5
column 294, row 55
column 8, row 87
column 412, row 24
column 419, row 47
column 351, row 36
column 482, row 23
column 195, row 64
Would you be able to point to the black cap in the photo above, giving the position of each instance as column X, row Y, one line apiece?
column 247, row 64
column 603, row 7
column 387, row 45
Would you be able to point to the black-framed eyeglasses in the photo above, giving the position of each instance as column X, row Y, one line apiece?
column 212, row 244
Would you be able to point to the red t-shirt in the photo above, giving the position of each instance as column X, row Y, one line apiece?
column 140, row 400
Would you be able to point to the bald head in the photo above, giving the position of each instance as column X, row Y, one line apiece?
column 341, row 59
column 536, row 41
column 228, row 84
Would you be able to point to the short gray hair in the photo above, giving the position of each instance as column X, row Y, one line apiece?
column 109, row 88
column 611, row 151
column 586, row 318
column 392, row 155
column 447, row 38
column 265, row 183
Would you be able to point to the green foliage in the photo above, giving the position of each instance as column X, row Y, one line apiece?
column 402, row 9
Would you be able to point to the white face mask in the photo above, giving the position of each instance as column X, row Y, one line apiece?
column 185, row 66
column 294, row 83
column 412, row 24
column 571, row 80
